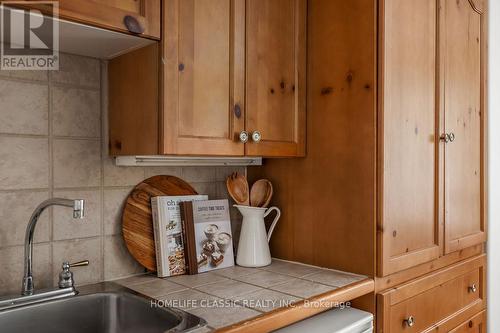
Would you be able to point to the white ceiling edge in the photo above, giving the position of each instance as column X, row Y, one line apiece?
column 160, row 160
column 85, row 40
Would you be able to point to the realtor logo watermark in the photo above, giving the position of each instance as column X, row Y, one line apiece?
column 29, row 40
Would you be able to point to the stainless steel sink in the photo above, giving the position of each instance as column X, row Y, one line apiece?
column 105, row 307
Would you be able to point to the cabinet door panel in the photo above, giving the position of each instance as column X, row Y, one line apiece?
column 110, row 14
column 408, row 224
column 463, row 110
column 204, row 78
column 275, row 78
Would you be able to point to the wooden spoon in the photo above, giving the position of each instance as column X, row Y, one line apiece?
column 261, row 193
column 237, row 186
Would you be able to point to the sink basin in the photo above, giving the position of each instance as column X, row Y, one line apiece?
column 100, row 308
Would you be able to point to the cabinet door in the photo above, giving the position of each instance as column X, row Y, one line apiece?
column 464, row 112
column 408, row 226
column 203, row 77
column 110, row 14
column 275, row 76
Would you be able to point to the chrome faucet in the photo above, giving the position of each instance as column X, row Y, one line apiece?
column 78, row 213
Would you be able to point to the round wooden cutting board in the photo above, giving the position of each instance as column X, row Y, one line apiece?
column 137, row 221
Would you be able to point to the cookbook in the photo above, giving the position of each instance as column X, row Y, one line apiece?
column 169, row 241
column 207, row 235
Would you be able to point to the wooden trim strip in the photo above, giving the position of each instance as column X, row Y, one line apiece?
column 301, row 310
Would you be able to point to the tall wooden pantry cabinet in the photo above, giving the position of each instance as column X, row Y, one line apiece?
column 393, row 182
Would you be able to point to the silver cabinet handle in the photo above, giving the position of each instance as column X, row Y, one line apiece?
column 445, row 137
column 472, row 288
column 243, row 136
column 256, row 136
column 410, row 321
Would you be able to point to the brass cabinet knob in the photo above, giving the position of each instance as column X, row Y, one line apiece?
column 244, row 136
column 410, row 321
column 451, row 136
column 256, row 136
column 472, row 288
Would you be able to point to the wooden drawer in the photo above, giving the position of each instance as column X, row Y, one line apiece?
column 460, row 324
column 433, row 299
column 476, row 324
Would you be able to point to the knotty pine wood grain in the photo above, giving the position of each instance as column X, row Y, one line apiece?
column 327, row 199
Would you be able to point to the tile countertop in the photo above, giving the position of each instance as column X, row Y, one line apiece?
column 239, row 299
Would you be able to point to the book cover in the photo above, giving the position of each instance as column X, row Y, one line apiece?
column 208, row 237
column 170, row 258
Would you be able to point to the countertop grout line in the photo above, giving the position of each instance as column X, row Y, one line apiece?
column 236, row 301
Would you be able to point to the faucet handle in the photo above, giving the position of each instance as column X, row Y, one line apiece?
column 66, row 276
column 79, row 263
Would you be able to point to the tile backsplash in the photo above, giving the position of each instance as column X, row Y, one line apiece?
column 53, row 143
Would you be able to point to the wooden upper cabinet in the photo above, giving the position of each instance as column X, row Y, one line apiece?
column 224, row 67
column 408, row 225
column 111, row 14
column 463, row 56
column 203, row 77
column 275, row 76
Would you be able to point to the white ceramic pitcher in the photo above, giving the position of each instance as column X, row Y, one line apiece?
column 253, row 247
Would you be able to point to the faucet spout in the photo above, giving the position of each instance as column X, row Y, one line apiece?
column 78, row 212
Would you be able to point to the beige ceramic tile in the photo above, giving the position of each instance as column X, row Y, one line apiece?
column 15, row 211
column 334, row 278
column 157, row 288
column 23, row 108
column 77, row 250
column 77, row 163
column 136, row 279
column 222, row 316
column 264, row 278
column 168, row 171
column 187, row 299
column 24, row 163
column 66, row 227
column 117, row 260
column 228, row 289
column 77, row 70
column 223, row 172
column 235, row 271
column 114, row 201
column 222, row 193
column 266, row 300
column 25, row 75
column 291, row 269
column 198, row 174
column 76, row 112
column 206, row 188
column 12, row 263
column 197, row 280
column 302, row 288
column 121, row 176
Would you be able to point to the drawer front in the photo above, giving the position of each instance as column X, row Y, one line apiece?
column 476, row 324
column 421, row 304
column 436, row 303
